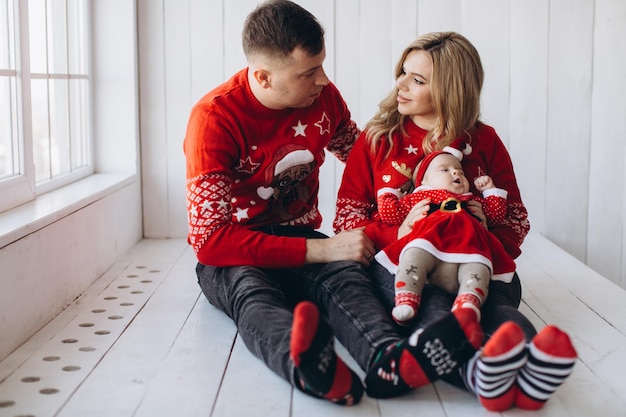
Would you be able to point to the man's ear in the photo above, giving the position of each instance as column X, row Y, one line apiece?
column 262, row 77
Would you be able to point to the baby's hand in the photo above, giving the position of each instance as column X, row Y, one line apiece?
column 483, row 183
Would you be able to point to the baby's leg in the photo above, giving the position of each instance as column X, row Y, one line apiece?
column 413, row 268
column 473, row 287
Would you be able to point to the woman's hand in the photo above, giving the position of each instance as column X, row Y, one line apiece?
column 417, row 213
column 476, row 208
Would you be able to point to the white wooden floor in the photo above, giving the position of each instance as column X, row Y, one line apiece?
column 143, row 341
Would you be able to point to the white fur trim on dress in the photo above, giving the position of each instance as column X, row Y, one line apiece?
column 382, row 258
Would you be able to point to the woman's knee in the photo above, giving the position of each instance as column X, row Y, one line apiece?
column 505, row 293
column 493, row 316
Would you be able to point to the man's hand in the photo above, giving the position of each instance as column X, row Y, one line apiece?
column 349, row 245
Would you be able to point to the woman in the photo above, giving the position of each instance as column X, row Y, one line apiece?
column 436, row 99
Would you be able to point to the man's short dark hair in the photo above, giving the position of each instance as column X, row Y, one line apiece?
column 277, row 27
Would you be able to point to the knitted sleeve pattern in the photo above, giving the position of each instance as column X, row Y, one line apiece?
column 342, row 142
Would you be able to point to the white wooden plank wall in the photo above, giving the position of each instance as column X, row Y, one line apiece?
column 569, row 109
column 554, row 91
column 608, row 126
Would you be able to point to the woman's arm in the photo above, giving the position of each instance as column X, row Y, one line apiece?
column 356, row 199
column 515, row 226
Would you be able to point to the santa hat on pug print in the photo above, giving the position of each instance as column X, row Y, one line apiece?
column 457, row 148
column 285, row 158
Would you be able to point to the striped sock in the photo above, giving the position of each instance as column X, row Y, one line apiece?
column 319, row 370
column 551, row 358
column 491, row 373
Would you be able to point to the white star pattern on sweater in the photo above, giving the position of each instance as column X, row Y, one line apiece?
column 300, row 129
column 241, row 214
column 206, row 205
column 324, row 124
column 411, row 150
column 246, row 165
column 222, row 205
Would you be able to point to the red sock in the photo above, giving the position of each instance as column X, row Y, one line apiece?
column 321, row 372
column 303, row 329
column 470, row 301
column 495, row 369
column 551, row 358
column 471, row 326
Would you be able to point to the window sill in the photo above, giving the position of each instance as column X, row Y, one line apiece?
column 54, row 205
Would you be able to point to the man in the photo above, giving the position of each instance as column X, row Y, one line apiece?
column 254, row 146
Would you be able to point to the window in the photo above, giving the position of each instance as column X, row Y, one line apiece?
column 45, row 123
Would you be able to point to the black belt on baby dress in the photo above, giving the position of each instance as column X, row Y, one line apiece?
column 449, row 205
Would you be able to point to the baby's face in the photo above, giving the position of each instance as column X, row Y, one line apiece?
column 446, row 173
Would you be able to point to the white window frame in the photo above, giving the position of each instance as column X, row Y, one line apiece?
column 23, row 186
column 116, row 127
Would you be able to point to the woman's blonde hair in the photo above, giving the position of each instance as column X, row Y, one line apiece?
column 456, row 83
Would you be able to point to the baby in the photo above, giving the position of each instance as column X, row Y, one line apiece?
column 450, row 248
